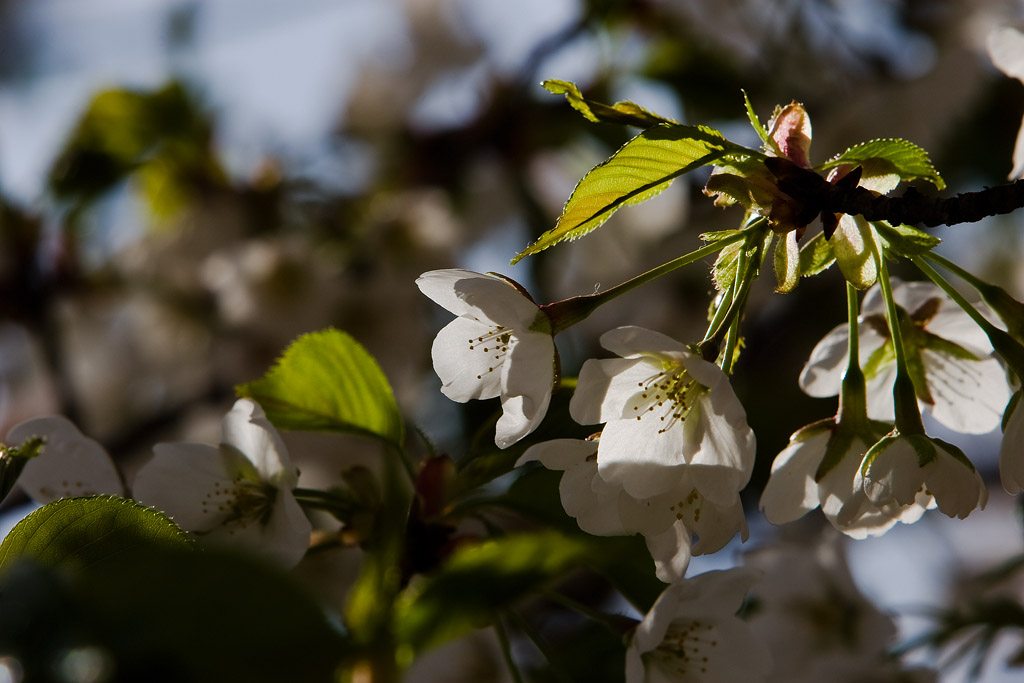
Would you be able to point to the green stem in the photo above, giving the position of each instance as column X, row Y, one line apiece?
column 565, row 314
column 1009, row 348
column 610, row 622
column 908, row 415
column 557, row 671
column 852, row 397
column 506, row 651
column 965, row 275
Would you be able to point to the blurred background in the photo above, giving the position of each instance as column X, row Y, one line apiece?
column 187, row 186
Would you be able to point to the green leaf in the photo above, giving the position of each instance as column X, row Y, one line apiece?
column 625, row 113
column 166, row 615
column 909, row 161
column 639, row 170
column 762, row 132
column 478, row 581
column 82, row 532
column 326, row 381
column 816, row 255
column 786, row 258
column 906, row 240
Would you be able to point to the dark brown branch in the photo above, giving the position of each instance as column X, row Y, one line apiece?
column 914, row 208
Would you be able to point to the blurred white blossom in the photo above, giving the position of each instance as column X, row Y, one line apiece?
column 70, row 464
column 239, row 492
column 692, row 634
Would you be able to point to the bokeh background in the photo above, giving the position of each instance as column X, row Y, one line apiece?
column 186, row 186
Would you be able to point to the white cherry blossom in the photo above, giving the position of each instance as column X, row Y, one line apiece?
column 239, row 492
column 69, row 464
column 794, row 487
column 818, row 626
column 899, row 468
column 667, row 521
column 692, row 634
column 956, row 377
column 670, row 417
column 499, row 345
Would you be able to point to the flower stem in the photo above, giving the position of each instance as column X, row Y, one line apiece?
column 852, row 397
column 564, row 314
column 908, row 415
column 1008, row 347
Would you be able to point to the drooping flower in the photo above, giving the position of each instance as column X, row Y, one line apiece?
column 70, row 464
column 692, row 634
column 820, row 466
column 670, row 417
column 238, row 492
column 499, row 345
column 667, row 521
column 1011, row 451
column 955, row 376
column 899, row 468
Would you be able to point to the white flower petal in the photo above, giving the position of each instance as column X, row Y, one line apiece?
column 246, row 428
column 630, row 342
column 671, row 552
column 440, row 287
column 822, row 375
column 192, row 482
column 1006, row 49
column 969, row 395
column 466, row 374
column 893, row 474
column 526, row 391
column 718, row 444
column 69, row 465
column 559, row 454
column 791, row 491
column 285, row 536
column 634, row 455
column 606, row 389
column 957, row 489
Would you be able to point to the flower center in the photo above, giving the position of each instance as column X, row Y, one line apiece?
column 667, row 395
column 240, row 501
column 494, row 345
column 688, row 508
column 688, row 647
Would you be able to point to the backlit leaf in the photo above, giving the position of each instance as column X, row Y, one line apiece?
column 82, row 532
column 326, row 381
column 625, row 113
column 639, row 170
column 909, row 161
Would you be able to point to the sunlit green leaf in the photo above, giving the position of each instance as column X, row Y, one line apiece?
column 909, row 161
column 786, row 259
column 626, row 113
column 816, row 255
column 639, row 170
column 906, row 240
column 480, row 580
column 326, row 381
column 81, row 532
column 758, row 127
